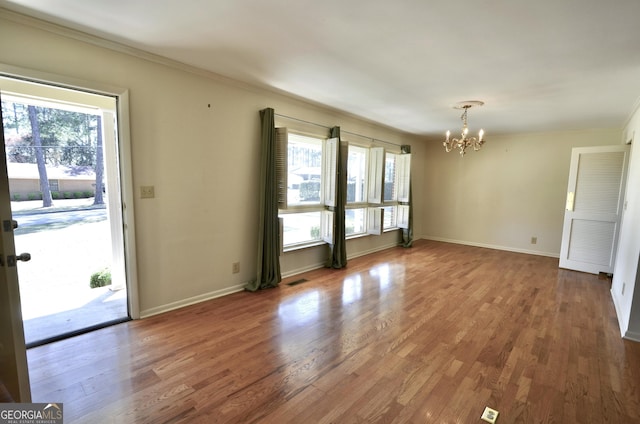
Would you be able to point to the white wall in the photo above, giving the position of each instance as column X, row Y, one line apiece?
column 501, row 196
column 195, row 137
column 626, row 277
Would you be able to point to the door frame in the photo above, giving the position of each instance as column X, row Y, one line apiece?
column 122, row 154
column 14, row 372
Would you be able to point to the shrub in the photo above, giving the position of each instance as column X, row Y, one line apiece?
column 55, row 195
column 315, row 232
column 87, row 194
column 68, row 195
column 16, row 197
column 310, row 190
column 100, row 278
column 34, row 196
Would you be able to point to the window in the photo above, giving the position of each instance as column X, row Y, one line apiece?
column 355, row 213
column 300, row 228
column 376, row 181
column 396, row 190
column 53, row 185
column 304, row 170
column 383, row 176
column 305, row 174
column 357, row 175
column 390, row 177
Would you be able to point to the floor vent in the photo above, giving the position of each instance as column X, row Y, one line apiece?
column 300, row 281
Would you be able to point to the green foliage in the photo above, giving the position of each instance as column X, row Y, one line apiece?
column 100, row 278
column 68, row 138
column 78, row 194
column 315, row 232
column 55, row 195
column 87, row 194
column 34, row 196
column 310, row 190
column 68, row 195
column 16, row 197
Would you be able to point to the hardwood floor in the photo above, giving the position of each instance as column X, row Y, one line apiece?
column 431, row 334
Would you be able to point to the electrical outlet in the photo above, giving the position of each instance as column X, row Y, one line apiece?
column 534, row 240
column 235, row 267
column 489, row 415
column 147, row 192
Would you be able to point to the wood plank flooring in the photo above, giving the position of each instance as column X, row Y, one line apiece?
column 430, row 334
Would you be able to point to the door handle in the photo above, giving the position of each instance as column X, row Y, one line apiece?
column 12, row 259
column 24, row 257
column 9, row 225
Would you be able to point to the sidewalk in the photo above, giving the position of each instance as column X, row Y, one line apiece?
column 54, row 285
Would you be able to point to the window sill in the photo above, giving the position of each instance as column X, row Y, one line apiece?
column 301, row 246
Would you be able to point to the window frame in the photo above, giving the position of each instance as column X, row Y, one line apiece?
column 327, row 180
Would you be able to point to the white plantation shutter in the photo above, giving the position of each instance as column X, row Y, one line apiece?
column 281, row 231
column 282, row 137
column 376, row 175
column 375, row 221
column 330, row 170
column 403, row 169
column 403, row 217
column 327, row 226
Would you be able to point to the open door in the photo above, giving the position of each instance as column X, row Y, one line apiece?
column 14, row 375
column 78, row 280
column 595, row 197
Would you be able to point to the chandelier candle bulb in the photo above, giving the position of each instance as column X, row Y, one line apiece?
column 481, row 134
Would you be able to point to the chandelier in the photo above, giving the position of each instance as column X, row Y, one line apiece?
column 464, row 142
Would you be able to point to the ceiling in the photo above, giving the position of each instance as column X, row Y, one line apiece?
column 543, row 65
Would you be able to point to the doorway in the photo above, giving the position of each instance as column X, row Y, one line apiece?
column 64, row 182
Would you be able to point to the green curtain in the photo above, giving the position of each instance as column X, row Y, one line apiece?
column 407, row 233
column 338, row 254
column 268, row 266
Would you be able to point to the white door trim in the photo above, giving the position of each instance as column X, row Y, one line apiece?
column 123, row 157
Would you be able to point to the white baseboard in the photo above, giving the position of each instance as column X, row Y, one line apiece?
column 494, row 246
column 307, row 268
column 616, row 305
column 190, row 301
column 312, row 267
column 374, row 250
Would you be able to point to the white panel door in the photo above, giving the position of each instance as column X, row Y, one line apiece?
column 595, row 197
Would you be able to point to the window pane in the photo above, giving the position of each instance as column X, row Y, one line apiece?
column 390, row 177
column 304, row 161
column 354, row 221
column 356, row 174
column 301, row 228
column 389, row 217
